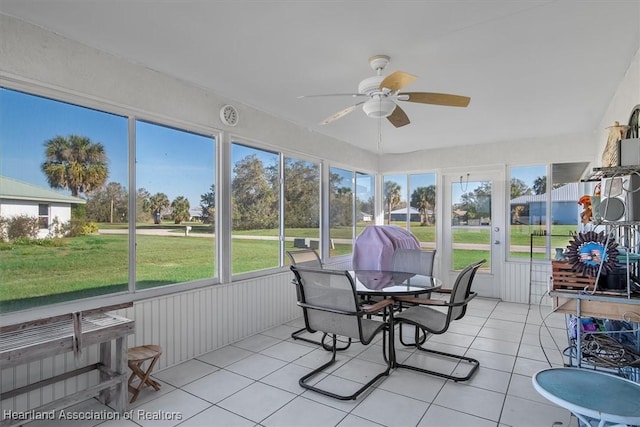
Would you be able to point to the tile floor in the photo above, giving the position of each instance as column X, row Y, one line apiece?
column 254, row 382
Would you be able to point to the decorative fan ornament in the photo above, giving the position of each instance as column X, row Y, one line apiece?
column 590, row 249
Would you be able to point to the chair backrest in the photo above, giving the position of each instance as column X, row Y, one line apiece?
column 305, row 258
column 413, row 261
column 462, row 289
column 328, row 300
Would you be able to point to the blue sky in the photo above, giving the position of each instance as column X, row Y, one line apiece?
column 528, row 174
column 170, row 161
column 28, row 121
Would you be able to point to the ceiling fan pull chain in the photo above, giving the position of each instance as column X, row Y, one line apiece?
column 379, row 134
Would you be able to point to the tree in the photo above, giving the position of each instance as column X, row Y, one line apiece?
column 340, row 202
column 424, row 199
column 142, row 202
column 255, row 202
column 392, row 196
column 180, row 209
column 519, row 188
column 75, row 163
column 109, row 204
column 208, row 205
column 366, row 206
column 301, row 194
column 476, row 203
column 540, row 185
column 156, row 205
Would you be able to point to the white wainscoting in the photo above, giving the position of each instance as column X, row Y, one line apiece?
column 526, row 283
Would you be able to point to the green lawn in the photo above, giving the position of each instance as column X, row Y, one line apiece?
column 72, row 268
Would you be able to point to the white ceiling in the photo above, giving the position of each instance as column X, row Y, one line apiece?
column 532, row 68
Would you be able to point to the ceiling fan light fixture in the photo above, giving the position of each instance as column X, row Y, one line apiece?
column 378, row 107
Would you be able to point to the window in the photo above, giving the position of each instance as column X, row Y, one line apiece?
column 530, row 201
column 175, row 201
column 341, row 201
column 171, row 216
column 565, row 192
column 43, row 216
column 422, row 208
column 365, row 201
column 40, row 139
column 301, row 204
column 410, row 202
column 394, row 200
column 255, row 193
column 471, row 222
column 527, row 211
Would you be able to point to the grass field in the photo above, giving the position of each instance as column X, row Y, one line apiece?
column 71, row 268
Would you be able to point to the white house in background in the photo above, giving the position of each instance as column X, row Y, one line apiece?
column 20, row 198
column 366, row 217
column 401, row 214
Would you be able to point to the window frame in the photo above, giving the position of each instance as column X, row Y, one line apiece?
column 131, row 115
column 44, row 221
column 548, row 212
column 222, row 141
column 326, row 230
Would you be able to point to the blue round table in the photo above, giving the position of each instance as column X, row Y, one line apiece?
column 592, row 396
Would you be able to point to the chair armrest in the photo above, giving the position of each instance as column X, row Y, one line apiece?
column 444, row 291
column 471, row 296
column 420, row 301
column 378, row 306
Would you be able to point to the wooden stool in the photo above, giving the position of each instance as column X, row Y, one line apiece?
column 137, row 356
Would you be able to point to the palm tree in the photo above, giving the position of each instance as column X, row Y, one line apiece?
column 180, row 209
column 392, row 195
column 424, row 198
column 156, row 204
column 75, row 163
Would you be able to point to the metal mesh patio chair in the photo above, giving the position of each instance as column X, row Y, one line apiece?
column 330, row 305
column 428, row 319
column 412, row 261
column 305, row 258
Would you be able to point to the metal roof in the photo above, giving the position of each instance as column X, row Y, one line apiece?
column 18, row 190
column 566, row 193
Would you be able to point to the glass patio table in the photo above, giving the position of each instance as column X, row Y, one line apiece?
column 393, row 283
column 595, row 398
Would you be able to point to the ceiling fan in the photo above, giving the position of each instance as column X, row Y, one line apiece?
column 383, row 92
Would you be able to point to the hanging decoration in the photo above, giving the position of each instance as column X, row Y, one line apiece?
column 588, row 250
column 466, row 184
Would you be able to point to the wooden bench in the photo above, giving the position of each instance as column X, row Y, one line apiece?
column 26, row 342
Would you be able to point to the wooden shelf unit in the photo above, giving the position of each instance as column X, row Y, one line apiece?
column 35, row 340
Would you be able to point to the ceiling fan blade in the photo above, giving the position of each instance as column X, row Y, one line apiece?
column 397, row 80
column 398, row 118
column 340, row 114
column 435, row 98
column 353, row 95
